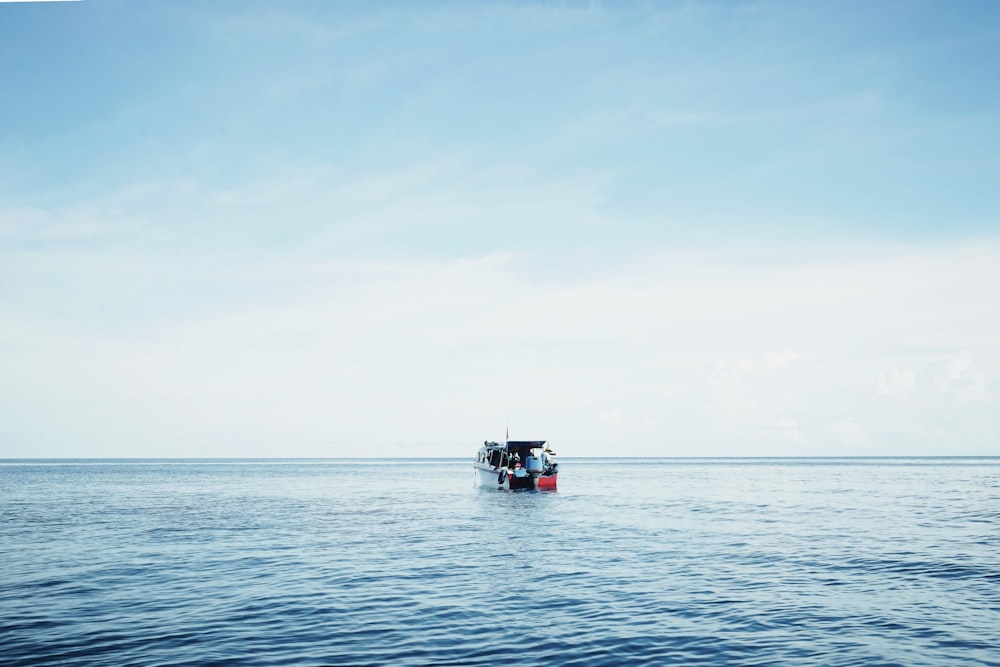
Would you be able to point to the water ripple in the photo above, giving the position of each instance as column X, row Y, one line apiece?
column 844, row 563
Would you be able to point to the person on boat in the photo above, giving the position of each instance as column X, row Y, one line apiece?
column 549, row 462
column 518, row 470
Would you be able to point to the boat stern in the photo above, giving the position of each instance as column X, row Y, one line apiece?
column 547, row 483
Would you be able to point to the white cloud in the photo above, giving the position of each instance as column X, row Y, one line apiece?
column 956, row 374
column 896, row 383
column 849, row 433
column 953, row 376
column 322, row 356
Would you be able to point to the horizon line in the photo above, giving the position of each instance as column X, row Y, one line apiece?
column 452, row 458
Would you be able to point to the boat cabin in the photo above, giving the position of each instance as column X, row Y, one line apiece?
column 504, row 454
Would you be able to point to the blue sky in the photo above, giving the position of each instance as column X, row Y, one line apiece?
column 326, row 229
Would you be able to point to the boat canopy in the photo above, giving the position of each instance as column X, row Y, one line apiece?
column 512, row 445
column 521, row 444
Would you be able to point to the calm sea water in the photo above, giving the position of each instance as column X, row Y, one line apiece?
column 404, row 562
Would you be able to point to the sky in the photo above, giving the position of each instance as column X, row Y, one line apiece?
column 283, row 229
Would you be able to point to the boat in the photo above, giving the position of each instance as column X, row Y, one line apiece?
column 516, row 464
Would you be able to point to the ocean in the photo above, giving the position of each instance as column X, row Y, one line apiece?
column 404, row 562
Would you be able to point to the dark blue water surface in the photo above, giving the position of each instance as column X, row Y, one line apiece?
column 404, row 562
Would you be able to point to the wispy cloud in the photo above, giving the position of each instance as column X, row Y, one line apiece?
column 452, row 345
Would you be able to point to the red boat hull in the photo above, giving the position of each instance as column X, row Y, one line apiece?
column 546, row 482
